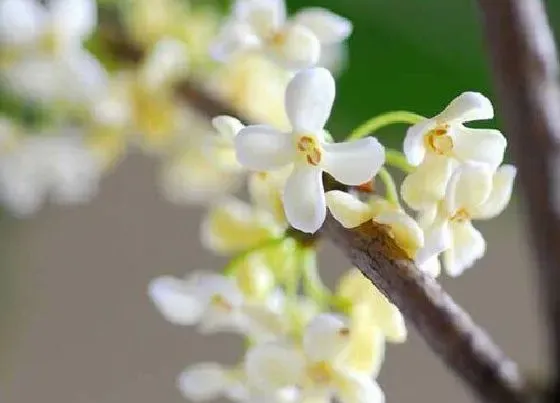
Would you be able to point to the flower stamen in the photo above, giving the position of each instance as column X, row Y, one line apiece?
column 310, row 149
column 438, row 141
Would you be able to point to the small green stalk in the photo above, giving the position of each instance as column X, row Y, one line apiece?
column 385, row 119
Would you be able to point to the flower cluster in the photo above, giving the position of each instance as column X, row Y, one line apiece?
column 305, row 342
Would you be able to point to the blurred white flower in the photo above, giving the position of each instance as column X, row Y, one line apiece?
column 48, row 62
column 474, row 192
column 318, row 368
column 309, row 99
column 36, row 168
column 262, row 25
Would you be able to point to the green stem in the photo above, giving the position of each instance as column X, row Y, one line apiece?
column 312, row 283
column 385, row 119
column 229, row 269
column 390, row 188
column 398, row 160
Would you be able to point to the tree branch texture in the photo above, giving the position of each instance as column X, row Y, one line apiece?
column 526, row 73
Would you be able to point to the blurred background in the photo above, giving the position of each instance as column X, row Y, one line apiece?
column 76, row 325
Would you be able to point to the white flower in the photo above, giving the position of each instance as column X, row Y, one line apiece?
column 50, row 62
column 309, row 99
column 208, row 381
column 474, row 192
column 167, row 62
column 38, row 167
column 318, row 368
column 445, row 134
column 210, row 300
column 439, row 144
column 206, row 167
column 262, row 25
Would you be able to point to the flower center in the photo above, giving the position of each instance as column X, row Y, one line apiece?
column 309, row 148
column 461, row 215
column 220, row 302
column 320, row 372
column 438, row 141
column 278, row 38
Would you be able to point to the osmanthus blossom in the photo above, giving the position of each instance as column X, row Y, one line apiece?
column 43, row 46
column 439, row 144
column 309, row 99
column 262, row 25
column 474, row 192
column 318, row 365
column 45, row 166
column 204, row 167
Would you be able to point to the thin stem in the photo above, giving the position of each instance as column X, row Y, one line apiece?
column 385, row 119
column 230, row 268
column 391, row 192
column 398, row 160
column 312, row 283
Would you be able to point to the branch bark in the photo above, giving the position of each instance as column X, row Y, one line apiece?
column 526, row 72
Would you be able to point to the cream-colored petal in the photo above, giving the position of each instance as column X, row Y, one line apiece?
column 304, row 199
column 325, row 337
column 263, row 148
column 355, row 162
column 309, row 99
column 21, row 22
column 437, row 238
column 272, row 366
column 404, row 229
column 265, row 190
column 479, row 145
column 348, row 209
column 431, row 267
column 427, row 184
column 234, row 38
column 467, row 247
column 235, row 226
column 167, row 62
column 469, row 187
column 175, row 300
column 502, row 188
column 329, row 27
column 467, row 107
column 355, row 387
column 264, row 16
column 295, row 47
column 413, row 146
column 227, row 126
column 202, row 382
column 74, row 19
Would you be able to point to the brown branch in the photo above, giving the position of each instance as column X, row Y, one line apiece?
column 525, row 67
column 447, row 328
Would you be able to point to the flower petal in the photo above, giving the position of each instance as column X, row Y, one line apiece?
column 404, row 229
column 174, row 299
column 234, row 37
column 227, row 127
column 21, row 21
column 467, row 107
column 479, row 145
column 309, row 99
column 426, row 186
column 234, row 226
column 437, row 238
column 468, row 246
column 502, row 187
column 262, row 148
column 413, row 146
column 329, row 27
column 304, row 199
column 354, row 387
column 201, row 382
column 347, row 209
column 75, row 19
column 469, row 187
column 354, row 162
column 264, row 16
column 325, row 337
column 272, row 366
column 296, row 47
